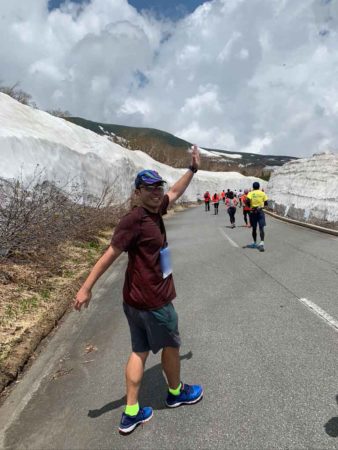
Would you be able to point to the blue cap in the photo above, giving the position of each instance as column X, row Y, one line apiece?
column 148, row 177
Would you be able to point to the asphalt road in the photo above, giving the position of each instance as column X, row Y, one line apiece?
column 267, row 361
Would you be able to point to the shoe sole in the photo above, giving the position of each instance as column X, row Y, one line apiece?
column 126, row 431
column 175, row 405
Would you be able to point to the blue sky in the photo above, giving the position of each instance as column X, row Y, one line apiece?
column 172, row 9
column 244, row 75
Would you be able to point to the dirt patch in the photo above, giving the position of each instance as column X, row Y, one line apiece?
column 33, row 302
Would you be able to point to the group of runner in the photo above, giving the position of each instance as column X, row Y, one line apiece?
column 251, row 200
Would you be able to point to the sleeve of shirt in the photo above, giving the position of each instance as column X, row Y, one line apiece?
column 126, row 232
column 164, row 205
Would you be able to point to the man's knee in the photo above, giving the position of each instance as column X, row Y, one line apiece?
column 170, row 352
column 141, row 355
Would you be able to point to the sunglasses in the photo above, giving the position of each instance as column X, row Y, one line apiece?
column 152, row 188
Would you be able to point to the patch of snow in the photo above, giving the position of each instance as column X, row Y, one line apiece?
column 231, row 155
column 205, row 152
column 223, row 154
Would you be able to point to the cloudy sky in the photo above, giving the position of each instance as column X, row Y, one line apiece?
column 242, row 75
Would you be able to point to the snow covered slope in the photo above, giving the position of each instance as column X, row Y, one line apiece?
column 29, row 137
column 307, row 189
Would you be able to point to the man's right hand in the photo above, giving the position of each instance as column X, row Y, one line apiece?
column 82, row 298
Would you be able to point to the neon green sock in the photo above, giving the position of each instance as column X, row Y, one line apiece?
column 176, row 391
column 132, row 410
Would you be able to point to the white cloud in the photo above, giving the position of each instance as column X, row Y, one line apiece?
column 257, row 145
column 205, row 99
column 226, row 51
column 132, row 106
column 236, row 74
column 221, row 140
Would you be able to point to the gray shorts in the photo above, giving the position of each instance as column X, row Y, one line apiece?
column 153, row 330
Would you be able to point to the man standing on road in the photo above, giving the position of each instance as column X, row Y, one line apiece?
column 148, row 292
column 256, row 200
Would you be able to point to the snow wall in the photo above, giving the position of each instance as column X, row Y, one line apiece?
column 307, row 190
column 30, row 138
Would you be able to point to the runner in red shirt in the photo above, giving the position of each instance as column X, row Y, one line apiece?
column 148, row 292
column 207, row 199
column 223, row 196
column 246, row 208
column 215, row 201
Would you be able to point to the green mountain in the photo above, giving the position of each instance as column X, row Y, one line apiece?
column 171, row 150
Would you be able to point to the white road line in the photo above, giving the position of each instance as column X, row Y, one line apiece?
column 320, row 313
column 233, row 243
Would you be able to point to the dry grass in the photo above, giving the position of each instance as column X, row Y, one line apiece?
column 34, row 301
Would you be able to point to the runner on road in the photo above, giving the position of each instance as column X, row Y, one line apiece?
column 148, row 292
column 256, row 200
column 215, row 201
column 223, row 196
column 246, row 208
column 207, row 199
column 231, row 203
column 240, row 198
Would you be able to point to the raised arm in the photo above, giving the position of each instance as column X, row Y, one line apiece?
column 84, row 294
column 181, row 185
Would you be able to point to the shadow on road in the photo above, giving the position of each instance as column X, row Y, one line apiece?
column 153, row 391
column 331, row 427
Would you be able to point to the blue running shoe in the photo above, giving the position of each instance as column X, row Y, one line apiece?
column 189, row 395
column 129, row 423
column 253, row 245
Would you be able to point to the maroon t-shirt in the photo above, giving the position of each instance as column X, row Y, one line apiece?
column 139, row 234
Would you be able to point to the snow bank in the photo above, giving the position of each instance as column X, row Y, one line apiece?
column 31, row 138
column 307, row 189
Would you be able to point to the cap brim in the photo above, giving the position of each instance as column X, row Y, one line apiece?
column 150, row 183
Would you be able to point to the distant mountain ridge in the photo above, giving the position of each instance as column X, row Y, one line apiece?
column 173, row 151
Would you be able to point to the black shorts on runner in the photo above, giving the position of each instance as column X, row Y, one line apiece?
column 153, row 330
column 257, row 216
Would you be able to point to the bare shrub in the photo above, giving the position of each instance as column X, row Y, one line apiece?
column 59, row 113
column 18, row 94
column 36, row 216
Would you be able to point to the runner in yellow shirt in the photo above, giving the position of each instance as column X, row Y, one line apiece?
column 257, row 199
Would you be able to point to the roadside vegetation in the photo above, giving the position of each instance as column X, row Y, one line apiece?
column 50, row 236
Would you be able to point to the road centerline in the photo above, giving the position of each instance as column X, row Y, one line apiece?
column 233, row 243
column 320, row 313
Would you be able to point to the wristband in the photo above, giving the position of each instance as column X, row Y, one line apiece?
column 193, row 169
